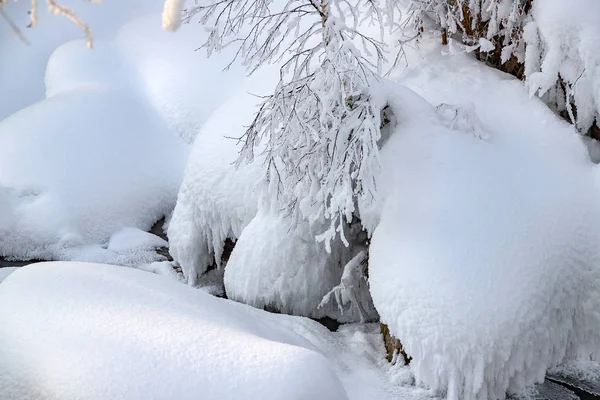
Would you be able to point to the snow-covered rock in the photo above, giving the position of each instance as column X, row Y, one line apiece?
column 183, row 85
column 279, row 265
column 100, row 332
column 80, row 166
column 485, row 262
column 216, row 200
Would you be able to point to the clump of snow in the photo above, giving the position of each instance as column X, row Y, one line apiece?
column 181, row 83
column 277, row 264
column 81, row 166
column 124, row 333
column 216, row 200
column 73, row 66
column 171, row 18
column 484, row 263
column 562, row 45
column 151, row 337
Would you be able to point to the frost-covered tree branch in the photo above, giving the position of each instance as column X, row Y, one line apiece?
column 322, row 123
column 55, row 8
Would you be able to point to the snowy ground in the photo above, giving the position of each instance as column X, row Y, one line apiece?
column 151, row 337
column 92, row 153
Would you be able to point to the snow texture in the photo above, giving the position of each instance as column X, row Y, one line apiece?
column 152, row 338
column 485, row 263
column 279, row 266
column 216, row 200
column 562, row 45
column 80, row 166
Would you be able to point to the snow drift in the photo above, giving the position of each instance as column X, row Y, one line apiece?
column 111, row 332
column 80, row 166
column 485, row 263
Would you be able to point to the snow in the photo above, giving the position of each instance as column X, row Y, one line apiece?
column 5, row 272
column 181, row 83
column 151, row 337
column 216, row 201
column 103, row 152
column 281, row 267
column 79, row 167
column 22, row 73
column 562, row 42
column 484, row 262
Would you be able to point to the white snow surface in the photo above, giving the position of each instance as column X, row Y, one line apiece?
column 99, row 332
column 216, row 200
column 278, row 265
column 80, row 166
column 6, row 271
column 22, row 73
column 103, row 152
column 485, row 263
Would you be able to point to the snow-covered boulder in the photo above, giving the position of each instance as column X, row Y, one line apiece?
column 485, row 262
column 103, row 332
column 279, row 265
column 216, row 200
column 182, row 84
column 80, row 166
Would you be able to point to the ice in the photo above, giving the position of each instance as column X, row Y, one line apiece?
column 281, row 267
column 98, row 332
column 484, row 263
column 216, row 200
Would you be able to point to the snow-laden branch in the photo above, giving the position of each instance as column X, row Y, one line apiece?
column 322, row 123
column 54, row 8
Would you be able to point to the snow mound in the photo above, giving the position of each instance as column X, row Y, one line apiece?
column 485, row 262
column 279, row 266
column 111, row 332
column 216, row 200
column 81, row 166
column 22, row 73
column 74, row 66
column 182, row 85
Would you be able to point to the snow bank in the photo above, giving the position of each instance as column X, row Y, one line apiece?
column 111, row 332
column 81, row 166
column 281, row 267
column 485, row 262
column 562, row 43
column 216, row 200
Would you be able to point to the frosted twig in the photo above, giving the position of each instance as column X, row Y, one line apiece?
column 13, row 27
column 58, row 9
